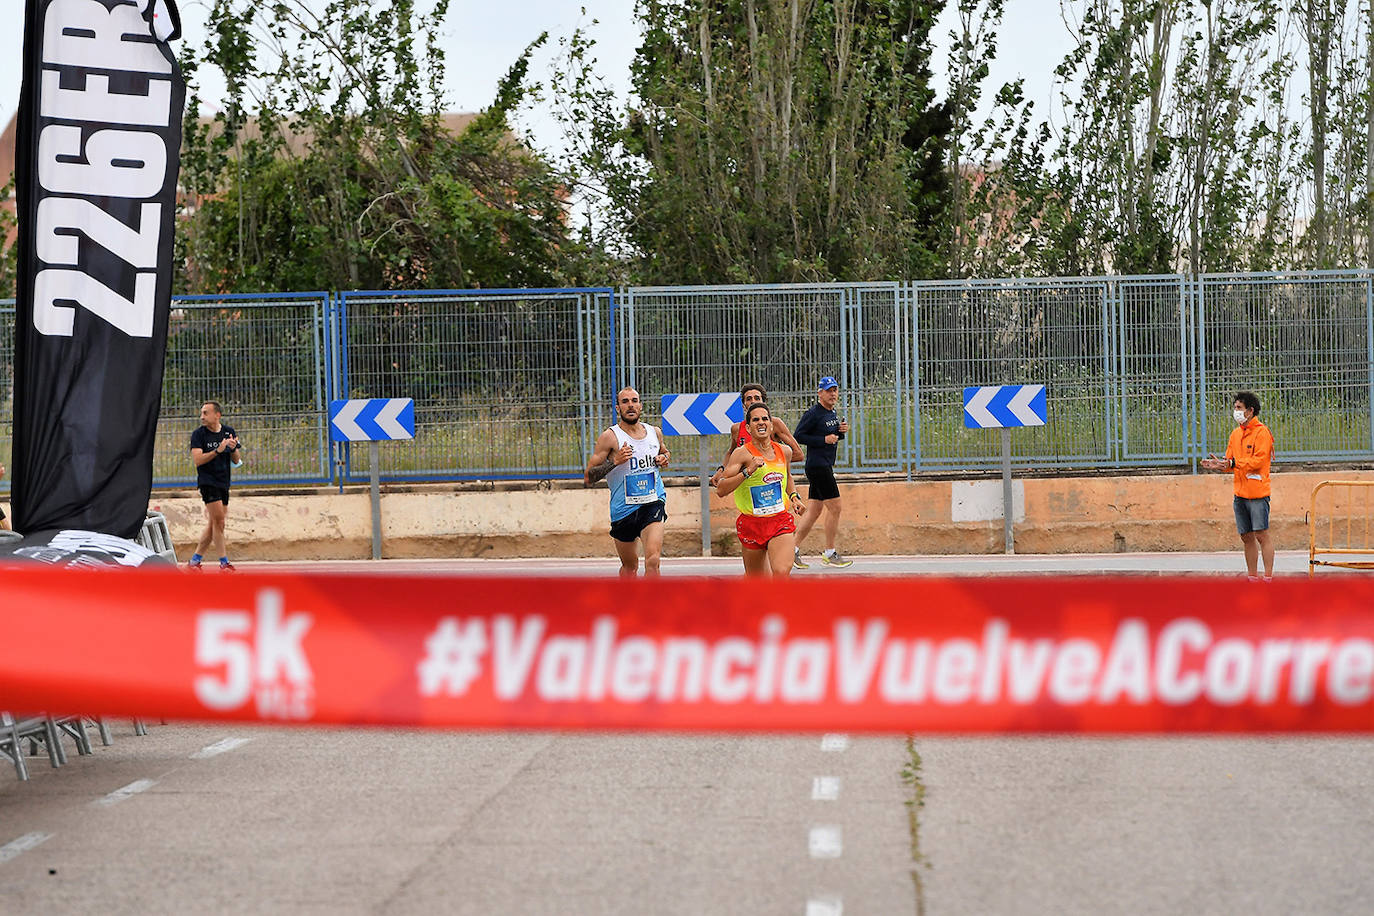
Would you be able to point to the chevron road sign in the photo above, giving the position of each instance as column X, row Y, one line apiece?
column 372, row 419
column 699, row 414
column 1002, row 406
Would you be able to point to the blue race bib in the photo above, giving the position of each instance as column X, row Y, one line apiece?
column 766, row 498
column 641, row 489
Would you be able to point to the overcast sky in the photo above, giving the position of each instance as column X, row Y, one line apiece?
column 484, row 38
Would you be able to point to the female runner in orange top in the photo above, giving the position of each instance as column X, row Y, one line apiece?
column 757, row 473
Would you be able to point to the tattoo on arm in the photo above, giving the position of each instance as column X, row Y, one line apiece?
column 599, row 471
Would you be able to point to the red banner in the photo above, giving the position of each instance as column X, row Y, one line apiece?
column 854, row 654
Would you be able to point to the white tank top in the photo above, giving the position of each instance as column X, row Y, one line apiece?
column 637, row 482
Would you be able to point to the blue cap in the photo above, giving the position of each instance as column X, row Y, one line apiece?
column 827, row 383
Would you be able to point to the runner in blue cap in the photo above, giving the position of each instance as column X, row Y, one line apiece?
column 820, row 430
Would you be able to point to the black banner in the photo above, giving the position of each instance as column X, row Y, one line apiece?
column 97, row 157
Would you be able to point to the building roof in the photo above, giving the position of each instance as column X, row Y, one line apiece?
column 455, row 122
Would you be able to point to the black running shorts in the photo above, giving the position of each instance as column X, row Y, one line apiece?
column 631, row 526
column 210, row 494
column 822, row 480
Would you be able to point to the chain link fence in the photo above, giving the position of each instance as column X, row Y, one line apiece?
column 507, row 384
column 697, row 339
column 1304, row 343
column 517, row 384
column 262, row 357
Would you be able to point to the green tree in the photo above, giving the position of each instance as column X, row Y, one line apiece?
column 9, row 254
column 768, row 141
column 331, row 167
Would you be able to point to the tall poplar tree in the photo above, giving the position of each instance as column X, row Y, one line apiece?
column 770, row 141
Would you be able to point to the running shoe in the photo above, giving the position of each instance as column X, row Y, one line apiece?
column 227, row 567
column 834, row 559
column 797, row 561
column 193, row 567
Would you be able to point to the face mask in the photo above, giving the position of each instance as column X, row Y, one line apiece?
column 1239, row 415
column 235, row 464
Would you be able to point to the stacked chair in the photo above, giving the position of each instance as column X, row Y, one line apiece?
column 18, row 733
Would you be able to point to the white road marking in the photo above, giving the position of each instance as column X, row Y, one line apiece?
column 118, row 795
column 219, row 747
column 825, row 906
column 824, row 842
column 23, row 844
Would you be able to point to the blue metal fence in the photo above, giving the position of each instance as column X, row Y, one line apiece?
column 508, row 384
column 517, row 384
column 262, row 356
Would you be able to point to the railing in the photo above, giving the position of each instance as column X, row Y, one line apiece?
column 507, row 383
column 1347, row 518
column 516, row 384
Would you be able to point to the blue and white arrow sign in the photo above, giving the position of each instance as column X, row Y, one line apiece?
column 372, row 419
column 1001, row 406
column 699, row 414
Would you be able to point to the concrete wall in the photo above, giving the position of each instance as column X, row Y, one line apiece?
column 1053, row 515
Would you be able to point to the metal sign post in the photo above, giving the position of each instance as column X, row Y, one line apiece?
column 374, row 455
column 701, row 415
column 704, row 454
column 1008, row 501
column 1003, row 407
column 372, row 420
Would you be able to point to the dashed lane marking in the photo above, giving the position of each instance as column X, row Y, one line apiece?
column 118, row 795
column 219, row 747
column 824, row 842
column 23, row 844
column 835, row 742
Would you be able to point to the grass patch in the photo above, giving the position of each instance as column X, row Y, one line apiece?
column 914, row 802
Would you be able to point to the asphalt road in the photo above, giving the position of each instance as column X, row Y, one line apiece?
column 1287, row 563
column 216, row 819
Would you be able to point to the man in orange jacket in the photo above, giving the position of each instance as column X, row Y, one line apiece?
column 1248, row 453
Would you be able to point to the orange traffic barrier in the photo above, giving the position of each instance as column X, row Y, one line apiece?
column 1339, row 526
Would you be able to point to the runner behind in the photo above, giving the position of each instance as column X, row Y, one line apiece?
column 750, row 395
column 757, row 473
column 820, row 430
column 629, row 456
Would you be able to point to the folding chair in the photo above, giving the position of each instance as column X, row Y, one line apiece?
column 73, row 727
column 35, row 730
column 10, row 746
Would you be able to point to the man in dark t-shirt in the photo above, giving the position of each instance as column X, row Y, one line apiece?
column 214, row 450
column 820, row 429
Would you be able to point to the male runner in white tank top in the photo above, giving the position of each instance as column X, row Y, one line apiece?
column 629, row 456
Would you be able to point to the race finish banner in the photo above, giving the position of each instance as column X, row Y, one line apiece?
column 98, row 153
column 1090, row 655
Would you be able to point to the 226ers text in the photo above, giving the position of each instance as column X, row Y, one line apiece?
column 109, row 137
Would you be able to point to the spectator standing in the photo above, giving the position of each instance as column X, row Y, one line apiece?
column 1249, row 452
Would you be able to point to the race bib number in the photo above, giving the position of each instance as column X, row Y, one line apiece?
column 766, row 498
column 640, row 489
